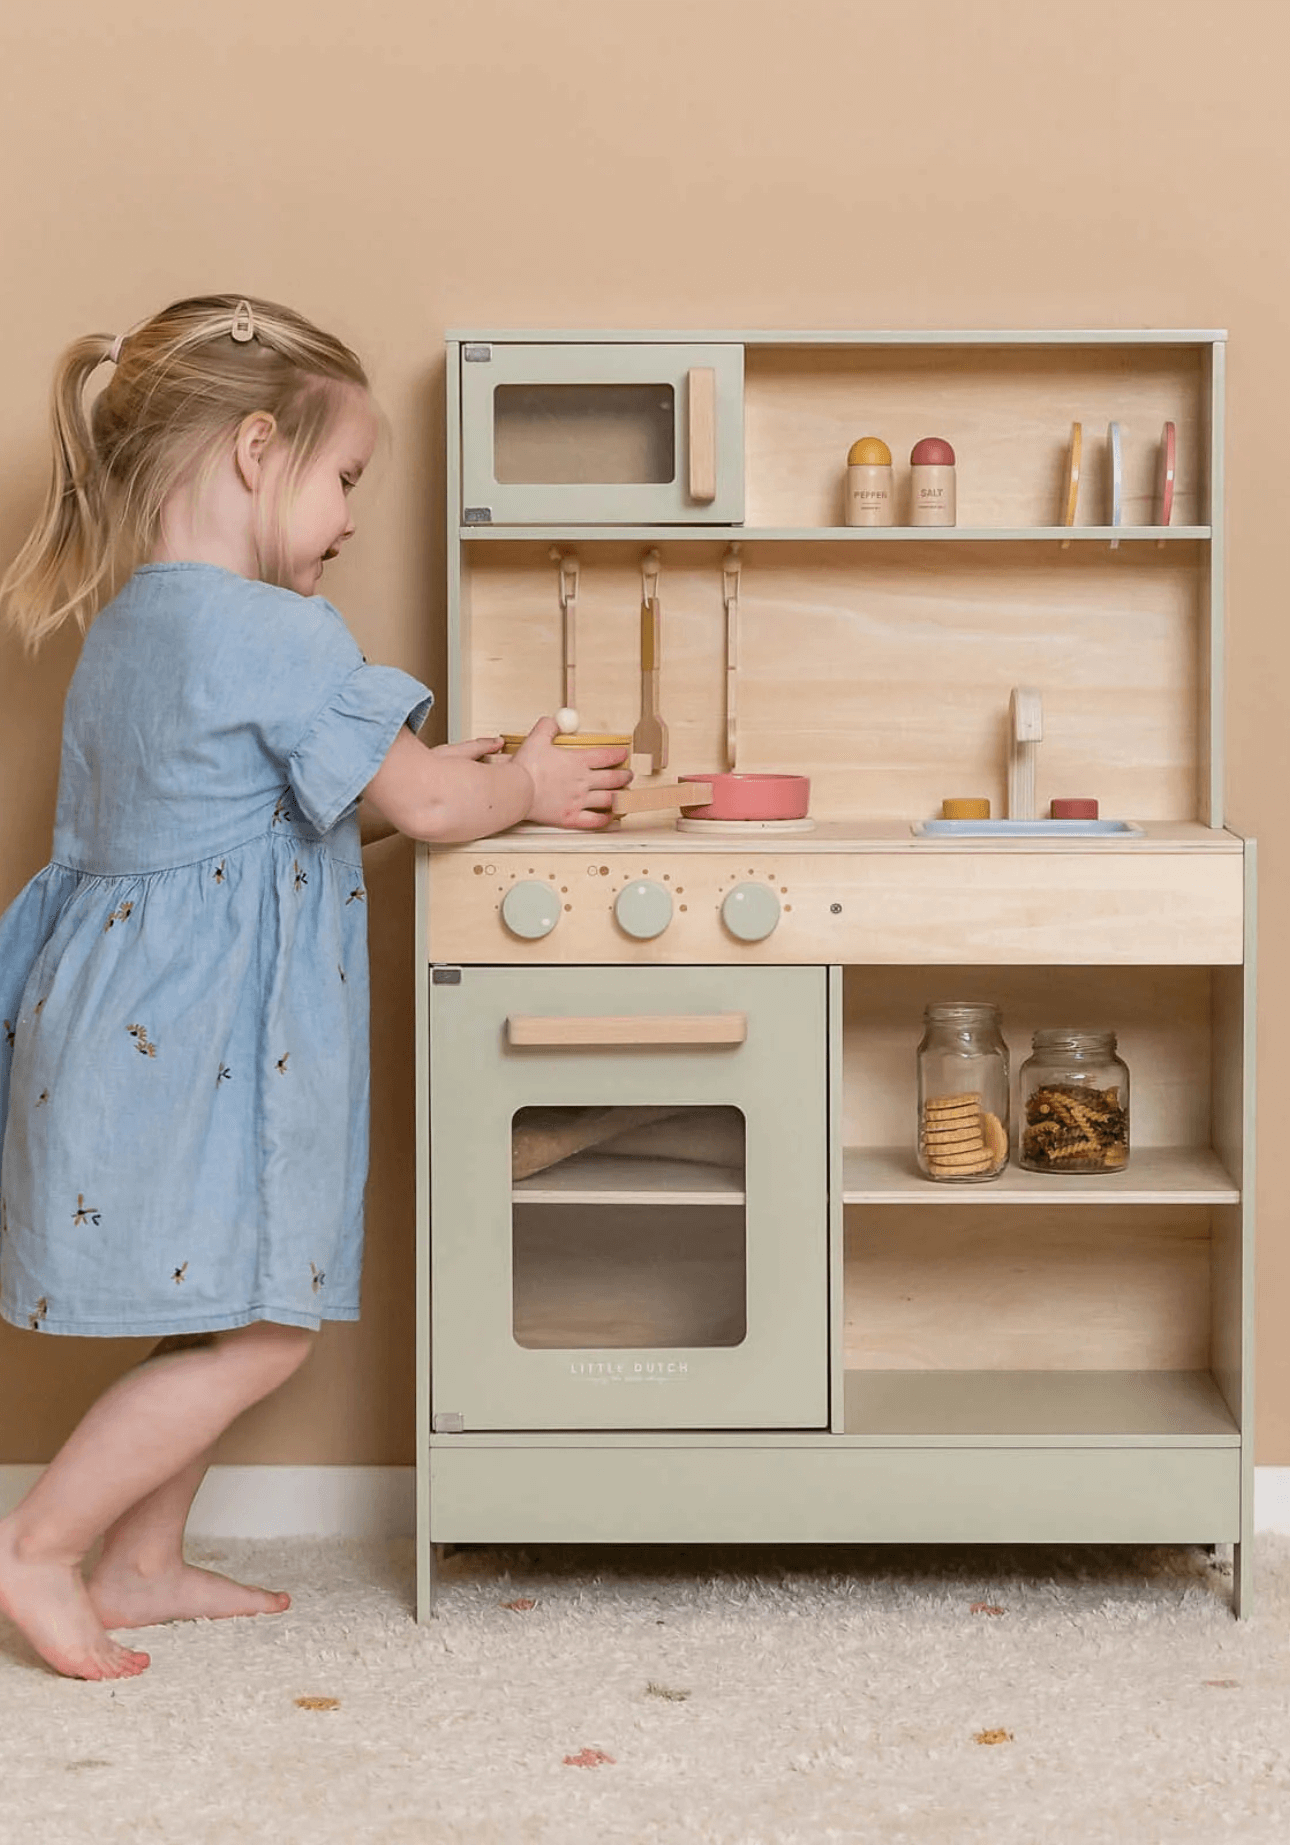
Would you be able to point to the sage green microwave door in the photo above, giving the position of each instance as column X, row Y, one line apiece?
column 647, row 434
column 628, row 1198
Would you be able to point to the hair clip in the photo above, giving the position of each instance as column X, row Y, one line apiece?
column 243, row 328
column 115, row 352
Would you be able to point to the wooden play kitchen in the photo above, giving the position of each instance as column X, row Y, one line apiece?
column 778, row 1175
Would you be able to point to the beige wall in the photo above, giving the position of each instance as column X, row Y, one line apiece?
column 397, row 169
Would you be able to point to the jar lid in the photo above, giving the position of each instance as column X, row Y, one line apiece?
column 1073, row 1038
column 960, row 1010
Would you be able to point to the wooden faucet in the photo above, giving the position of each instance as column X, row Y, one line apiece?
column 1025, row 732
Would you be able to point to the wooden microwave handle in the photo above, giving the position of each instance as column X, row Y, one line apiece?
column 702, row 381
column 641, row 1029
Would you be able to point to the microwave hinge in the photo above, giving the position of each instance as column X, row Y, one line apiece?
column 449, row 1422
column 477, row 352
column 477, row 515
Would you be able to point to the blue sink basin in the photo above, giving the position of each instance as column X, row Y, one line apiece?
column 1026, row 829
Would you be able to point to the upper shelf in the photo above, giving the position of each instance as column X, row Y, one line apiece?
column 845, row 534
column 851, row 336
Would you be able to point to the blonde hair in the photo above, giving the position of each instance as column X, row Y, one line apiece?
column 182, row 385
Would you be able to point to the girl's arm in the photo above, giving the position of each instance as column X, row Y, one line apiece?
column 449, row 795
column 373, row 826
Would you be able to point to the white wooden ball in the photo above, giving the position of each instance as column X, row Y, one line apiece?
column 566, row 720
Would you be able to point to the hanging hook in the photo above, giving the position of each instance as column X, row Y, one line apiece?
column 731, row 569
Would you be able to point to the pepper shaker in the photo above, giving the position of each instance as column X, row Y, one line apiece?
column 870, row 500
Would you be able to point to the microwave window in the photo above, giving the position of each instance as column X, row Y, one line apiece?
column 584, row 434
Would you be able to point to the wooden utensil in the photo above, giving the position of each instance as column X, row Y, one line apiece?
column 730, row 573
column 1070, row 499
column 650, row 736
column 655, row 800
column 1116, row 454
column 1168, row 465
column 569, row 572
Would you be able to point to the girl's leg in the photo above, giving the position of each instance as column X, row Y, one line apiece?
column 153, row 1423
column 141, row 1576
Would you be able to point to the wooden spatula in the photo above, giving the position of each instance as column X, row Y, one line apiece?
column 650, row 736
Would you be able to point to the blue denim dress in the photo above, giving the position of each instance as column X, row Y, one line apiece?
column 184, row 1068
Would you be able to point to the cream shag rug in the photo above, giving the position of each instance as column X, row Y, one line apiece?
column 580, row 1696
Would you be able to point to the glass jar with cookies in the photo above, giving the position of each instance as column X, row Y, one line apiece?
column 962, row 1094
column 1074, row 1104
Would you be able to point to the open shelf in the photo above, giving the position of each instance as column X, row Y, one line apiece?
column 843, row 534
column 1154, row 1175
column 1094, row 1406
column 598, row 1178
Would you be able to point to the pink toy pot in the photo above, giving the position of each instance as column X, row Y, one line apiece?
column 736, row 796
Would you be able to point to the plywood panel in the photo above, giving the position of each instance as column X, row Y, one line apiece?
column 1066, row 1288
column 1007, row 415
column 1161, row 1016
column 885, row 908
column 883, row 672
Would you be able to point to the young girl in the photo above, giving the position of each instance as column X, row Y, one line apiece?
column 184, row 1066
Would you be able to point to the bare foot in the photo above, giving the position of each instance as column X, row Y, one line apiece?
column 123, row 1597
column 48, row 1603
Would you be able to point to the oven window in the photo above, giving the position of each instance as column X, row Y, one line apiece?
column 557, row 434
column 629, row 1228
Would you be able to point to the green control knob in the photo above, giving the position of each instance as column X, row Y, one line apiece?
column 530, row 910
column 750, row 911
column 643, row 909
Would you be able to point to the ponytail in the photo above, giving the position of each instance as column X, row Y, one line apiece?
column 67, row 555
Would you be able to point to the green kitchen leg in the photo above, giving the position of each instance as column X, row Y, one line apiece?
column 1242, row 1585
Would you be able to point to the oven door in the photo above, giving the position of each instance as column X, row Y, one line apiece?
column 602, row 435
column 628, row 1198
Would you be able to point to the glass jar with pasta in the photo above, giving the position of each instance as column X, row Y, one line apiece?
column 1074, row 1104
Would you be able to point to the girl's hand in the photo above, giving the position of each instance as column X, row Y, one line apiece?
column 476, row 749
column 571, row 788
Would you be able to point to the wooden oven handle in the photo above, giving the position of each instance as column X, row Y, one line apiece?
column 702, row 395
column 648, row 1029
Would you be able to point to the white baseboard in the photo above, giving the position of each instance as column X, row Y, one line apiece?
column 380, row 1502
column 279, row 1502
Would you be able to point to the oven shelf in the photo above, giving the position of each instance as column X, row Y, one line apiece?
column 1097, row 1405
column 598, row 1178
column 1154, row 1175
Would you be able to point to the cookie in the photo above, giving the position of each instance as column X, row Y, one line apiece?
column 983, row 1163
column 935, row 1104
column 995, row 1135
column 969, row 1156
column 967, row 1130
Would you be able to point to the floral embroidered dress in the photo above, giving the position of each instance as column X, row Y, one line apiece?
column 184, row 1062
